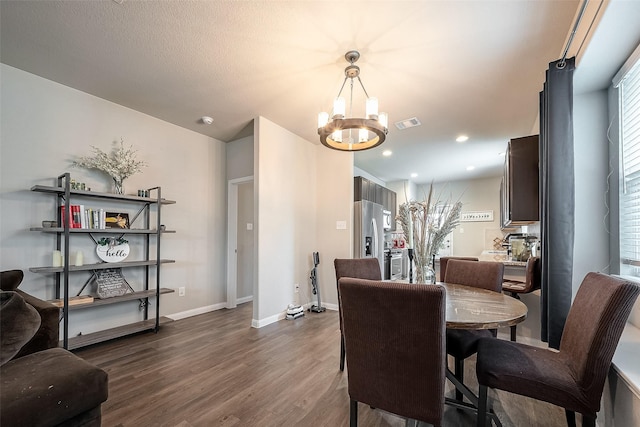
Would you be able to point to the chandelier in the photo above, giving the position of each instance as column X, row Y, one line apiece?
column 352, row 133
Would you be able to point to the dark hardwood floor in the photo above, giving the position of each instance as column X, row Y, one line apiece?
column 215, row 370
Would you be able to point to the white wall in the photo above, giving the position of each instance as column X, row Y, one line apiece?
column 591, row 151
column 335, row 203
column 44, row 126
column 471, row 238
column 285, row 183
column 240, row 158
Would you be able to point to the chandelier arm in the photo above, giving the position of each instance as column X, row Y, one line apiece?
column 342, row 87
column 362, row 84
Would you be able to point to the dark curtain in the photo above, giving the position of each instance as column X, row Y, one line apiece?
column 556, row 198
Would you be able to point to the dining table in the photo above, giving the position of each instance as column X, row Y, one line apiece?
column 468, row 307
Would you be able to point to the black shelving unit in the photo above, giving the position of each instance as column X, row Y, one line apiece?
column 65, row 197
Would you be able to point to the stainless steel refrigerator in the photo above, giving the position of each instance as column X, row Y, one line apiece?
column 369, row 233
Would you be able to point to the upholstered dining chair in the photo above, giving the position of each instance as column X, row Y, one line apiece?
column 462, row 343
column 395, row 337
column 360, row 268
column 445, row 260
column 533, row 274
column 573, row 377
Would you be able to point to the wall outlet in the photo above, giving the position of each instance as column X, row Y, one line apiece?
column 296, row 287
column 181, row 291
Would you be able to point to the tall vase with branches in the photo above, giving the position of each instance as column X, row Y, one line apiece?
column 120, row 164
column 425, row 224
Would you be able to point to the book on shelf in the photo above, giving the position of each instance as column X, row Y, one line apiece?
column 83, row 218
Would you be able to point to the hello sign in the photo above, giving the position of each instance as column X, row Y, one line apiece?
column 113, row 252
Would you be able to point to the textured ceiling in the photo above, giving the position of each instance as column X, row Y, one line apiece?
column 472, row 67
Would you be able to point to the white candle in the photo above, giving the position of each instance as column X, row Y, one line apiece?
column 57, row 259
column 79, row 259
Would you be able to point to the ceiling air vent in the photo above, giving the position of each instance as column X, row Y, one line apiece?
column 408, row 123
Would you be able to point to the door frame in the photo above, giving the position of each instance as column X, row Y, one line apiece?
column 232, row 238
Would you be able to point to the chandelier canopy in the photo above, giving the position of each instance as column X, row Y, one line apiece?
column 352, row 133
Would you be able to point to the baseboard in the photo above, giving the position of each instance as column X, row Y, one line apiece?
column 196, row 311
column 333, row 307
column 255, row 323
column 244, row 299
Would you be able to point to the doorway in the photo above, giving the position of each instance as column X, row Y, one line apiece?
column 240, row 238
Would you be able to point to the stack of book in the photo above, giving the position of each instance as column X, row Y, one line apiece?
column 84, row 218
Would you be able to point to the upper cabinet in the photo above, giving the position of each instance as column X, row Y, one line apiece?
column 363, row 189
column 519, row 187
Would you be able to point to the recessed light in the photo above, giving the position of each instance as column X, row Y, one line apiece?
column 470, row 168
column 462, row 138
column 414, row 175
column 387, row 153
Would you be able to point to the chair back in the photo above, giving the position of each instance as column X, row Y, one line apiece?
column 445, row 260
column 479, row 274
column 533, row 275
column 395, row 339
column 593, row 328
column 359, row 268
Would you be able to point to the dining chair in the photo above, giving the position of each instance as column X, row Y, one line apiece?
column 360, row 268
column 574, row 376
column 445, row 260
column 462, row 343
column 395, row 339
column 533, row 274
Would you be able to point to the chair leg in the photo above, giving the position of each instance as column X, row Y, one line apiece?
column 353, row 413
column 459, row 374
column 587, row 421
column 342, row 352
column 482, row 406
column 571, row 418
column 513, row 333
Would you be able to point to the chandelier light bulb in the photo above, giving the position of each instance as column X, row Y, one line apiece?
column 383, row 118
column 372, row 108
column 339, row 108
column 323, row 119
column 363, row 135
column 337, row 136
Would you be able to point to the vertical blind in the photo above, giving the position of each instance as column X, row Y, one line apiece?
column 629, row 98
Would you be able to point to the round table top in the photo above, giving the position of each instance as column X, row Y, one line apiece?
column 476, row 308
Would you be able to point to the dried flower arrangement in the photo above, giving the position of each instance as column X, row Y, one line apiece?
column 119, row 165
column 425, row 225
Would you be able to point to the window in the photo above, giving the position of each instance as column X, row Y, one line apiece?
column 628, row 82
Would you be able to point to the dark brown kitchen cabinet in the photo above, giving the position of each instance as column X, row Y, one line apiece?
column 364, row 189
column 519, row 186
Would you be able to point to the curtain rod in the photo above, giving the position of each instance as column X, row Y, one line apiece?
column 562, row 62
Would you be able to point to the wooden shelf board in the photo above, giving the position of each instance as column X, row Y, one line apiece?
column 126, row 297
column 112, row 196
column 117, row 332
column 100, row 266
column 99, row 230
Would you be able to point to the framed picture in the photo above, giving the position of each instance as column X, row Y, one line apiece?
column 117, row 220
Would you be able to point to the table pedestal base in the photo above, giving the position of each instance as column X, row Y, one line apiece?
column 473, row 406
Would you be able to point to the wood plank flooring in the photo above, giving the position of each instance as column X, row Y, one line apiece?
column 215, row 370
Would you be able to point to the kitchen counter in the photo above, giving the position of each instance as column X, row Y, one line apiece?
column 500, row 256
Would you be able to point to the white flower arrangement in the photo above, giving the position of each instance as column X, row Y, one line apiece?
column 119, row 165
column 425, row 225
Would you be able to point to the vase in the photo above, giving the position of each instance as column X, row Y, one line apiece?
column 118, row 187
column 425, row 274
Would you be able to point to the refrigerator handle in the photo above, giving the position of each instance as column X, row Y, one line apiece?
column 375, row 236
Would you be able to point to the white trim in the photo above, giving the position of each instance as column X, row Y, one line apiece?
column 196, row 311
column 625, row 359
column 628, row 64
column 232, row 238
column 328, row 306
column 244, row 299
column 267, row 321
